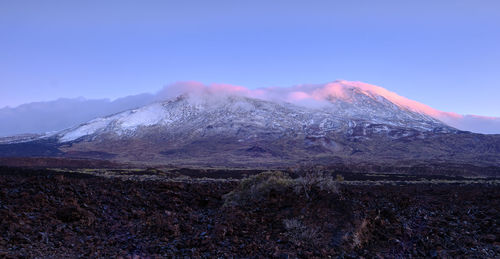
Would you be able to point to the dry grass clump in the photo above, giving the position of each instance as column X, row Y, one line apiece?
column 313, row 182
column 257, row 187
column 299, row 233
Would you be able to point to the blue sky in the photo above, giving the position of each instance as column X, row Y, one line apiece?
column 442, row 53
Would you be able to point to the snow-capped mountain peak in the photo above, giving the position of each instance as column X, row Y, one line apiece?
column 342, row 111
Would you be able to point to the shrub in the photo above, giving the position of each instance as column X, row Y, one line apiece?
column 314, row 182
column 258, row 187
column 297, row 232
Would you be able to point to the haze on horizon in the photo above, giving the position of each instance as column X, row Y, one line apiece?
column 443, row 54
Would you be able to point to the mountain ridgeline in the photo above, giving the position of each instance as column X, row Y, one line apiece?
column 359, row 128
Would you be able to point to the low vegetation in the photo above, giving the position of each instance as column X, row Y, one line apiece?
column 257, row 188
column 314, row 182
column 298, row 233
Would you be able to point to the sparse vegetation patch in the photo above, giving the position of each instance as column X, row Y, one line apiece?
column 258, row 187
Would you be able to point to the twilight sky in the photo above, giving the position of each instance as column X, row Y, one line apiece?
column 445, row 54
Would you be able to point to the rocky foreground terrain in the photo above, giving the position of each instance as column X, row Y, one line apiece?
column 162, row 213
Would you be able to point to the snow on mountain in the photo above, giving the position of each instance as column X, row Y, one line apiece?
column 350, row 99
column 126, row 121
column 343, row 106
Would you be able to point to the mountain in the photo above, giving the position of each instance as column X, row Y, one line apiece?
column 350, row 123
column 41, row 117
column 52, row 116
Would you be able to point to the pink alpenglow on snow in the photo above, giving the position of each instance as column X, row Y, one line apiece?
column 320, row 95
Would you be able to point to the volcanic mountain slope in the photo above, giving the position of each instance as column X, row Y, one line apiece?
column 351, row 124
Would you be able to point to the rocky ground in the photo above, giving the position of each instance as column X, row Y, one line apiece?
column 66, row 214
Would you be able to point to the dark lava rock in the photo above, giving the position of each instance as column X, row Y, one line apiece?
column 69, row 214
column 53, row 214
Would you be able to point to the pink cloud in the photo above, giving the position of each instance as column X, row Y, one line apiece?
column 227, row 89
column 297, row 96
column 334, row 89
